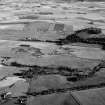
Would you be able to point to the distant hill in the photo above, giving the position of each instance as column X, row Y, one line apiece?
column 84, row 0
column 79, row 0
column 50, row 0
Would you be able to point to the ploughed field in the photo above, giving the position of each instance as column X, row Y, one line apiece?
column 49, row 49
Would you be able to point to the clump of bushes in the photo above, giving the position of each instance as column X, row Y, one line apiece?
column 24, row 45
column 72, row 78
column 90, row 30
column 94, row 30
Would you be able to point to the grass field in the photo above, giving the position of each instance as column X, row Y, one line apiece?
column 48, row 49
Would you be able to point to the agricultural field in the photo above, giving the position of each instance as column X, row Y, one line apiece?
column 51, row 50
